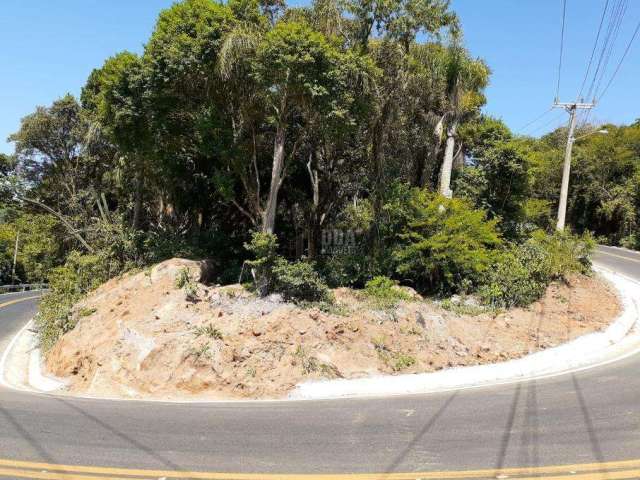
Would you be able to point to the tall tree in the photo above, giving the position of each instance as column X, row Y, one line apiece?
column 465, row 80
column 297, row 69
column 115, row 94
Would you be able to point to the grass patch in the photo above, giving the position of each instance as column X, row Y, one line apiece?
column 208, row 331
column 463, row 308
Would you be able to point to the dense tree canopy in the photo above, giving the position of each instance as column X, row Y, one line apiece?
column 340, row 120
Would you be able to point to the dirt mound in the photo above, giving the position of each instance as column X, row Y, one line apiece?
column 142, row 336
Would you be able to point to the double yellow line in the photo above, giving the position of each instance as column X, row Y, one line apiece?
column 590, row 471
column 18, row 300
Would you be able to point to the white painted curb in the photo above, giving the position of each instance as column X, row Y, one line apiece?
column 591, row 350
column 23, row 359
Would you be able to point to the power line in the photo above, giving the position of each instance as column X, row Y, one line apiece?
column 522, row 129
column 593, row 51
column 624, row 55
column 544, row 125
column 616, row 33
column 564, row 15
column 615, row 19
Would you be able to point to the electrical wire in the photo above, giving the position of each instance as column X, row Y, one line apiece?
column 553, row 120
column 522, row 129
column 616, row 33
column 593, row 51
column 564, row 15
column 624, row 55
column 615, row 20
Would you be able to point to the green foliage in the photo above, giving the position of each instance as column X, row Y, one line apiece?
column 298, row 281
column 264, row 248
column 397, row 361
column 402, row 361
column 39, row 247
column 522, row 273
column 185, row 281
column 208, row 331
column 446, row 245
column 68, row 284
column 385, row 292
column 498, row 182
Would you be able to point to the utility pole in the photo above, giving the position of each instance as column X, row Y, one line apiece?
column 572, row 108
column 15, row 259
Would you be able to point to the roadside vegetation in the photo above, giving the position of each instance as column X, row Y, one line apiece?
column 301, row 149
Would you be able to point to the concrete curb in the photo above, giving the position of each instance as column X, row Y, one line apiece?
column 21, row 364
column 619, row 340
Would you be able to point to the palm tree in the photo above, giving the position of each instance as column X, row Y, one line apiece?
column 465, row 78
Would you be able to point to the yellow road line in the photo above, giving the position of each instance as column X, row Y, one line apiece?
column 14, row 473
column 18, row 300
column 589, row 471
column 620, row 475
column 619, row 256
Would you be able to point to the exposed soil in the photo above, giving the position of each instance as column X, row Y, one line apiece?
column 141, row 336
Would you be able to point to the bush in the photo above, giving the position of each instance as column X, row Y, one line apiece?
column 385, row 292
column 187, row 283
column 264, row 247
column 447, row 246
column 299, row 282
column 522, row 273
column 68, row 284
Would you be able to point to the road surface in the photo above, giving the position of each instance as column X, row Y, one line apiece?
column 587, row 423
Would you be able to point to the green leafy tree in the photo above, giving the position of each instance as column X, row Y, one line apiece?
column 447, row 246
column 298, row 69
column 115, row 96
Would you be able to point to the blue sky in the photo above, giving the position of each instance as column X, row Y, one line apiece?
column 48, row 48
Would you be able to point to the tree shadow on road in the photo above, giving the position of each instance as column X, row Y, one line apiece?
column 425, row 429
column 131, row 441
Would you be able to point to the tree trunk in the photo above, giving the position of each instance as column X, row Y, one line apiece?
column 269, row 214
column 447, row 162
column 137, row 207
column 314, row 221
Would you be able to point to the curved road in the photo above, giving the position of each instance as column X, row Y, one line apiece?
column 590, row 417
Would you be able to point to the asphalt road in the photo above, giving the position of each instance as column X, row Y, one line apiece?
column 587, row 417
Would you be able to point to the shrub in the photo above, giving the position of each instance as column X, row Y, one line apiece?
column 447, row 245
column 522, row 273
column 298, row 281
column 264, row 247
column 185, row 281
column 68, row 284
column 385, row 292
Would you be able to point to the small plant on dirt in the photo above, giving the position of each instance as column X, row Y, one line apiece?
column 147, row 274
column 380, row 344
column 185, row 281
column 203, row 352
column 463, row 308
column 251, row 371
column 208, row 331
column 401, row 361
column 384, row 292
column 299, row 282
column 308, row 363
column 86, row 312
